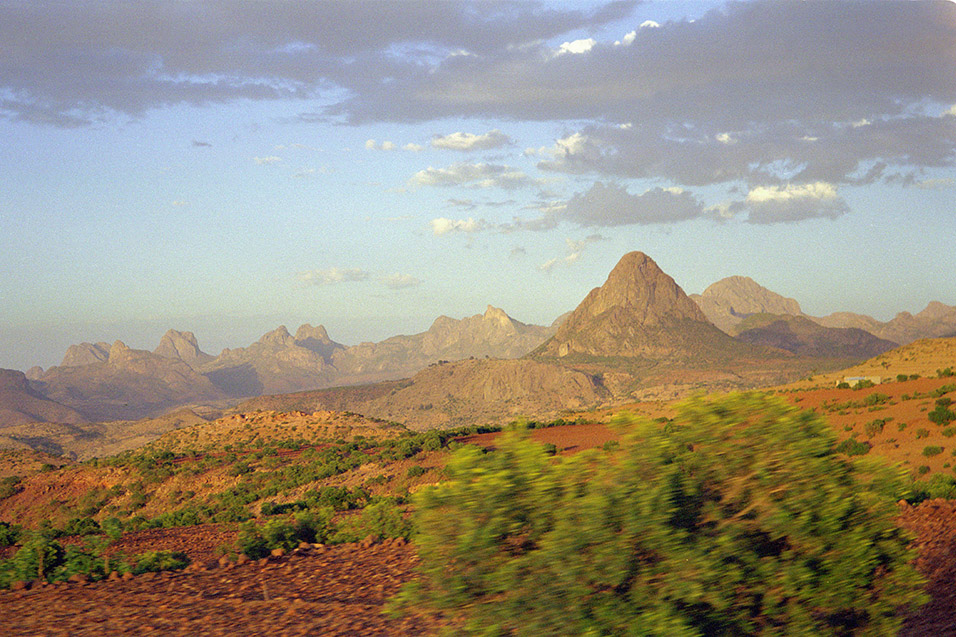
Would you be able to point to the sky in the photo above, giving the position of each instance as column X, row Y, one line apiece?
column 228, row 167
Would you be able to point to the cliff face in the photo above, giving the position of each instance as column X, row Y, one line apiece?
column 639, row 312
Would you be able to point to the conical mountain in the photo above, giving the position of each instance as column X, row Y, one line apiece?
column 730, row 300
column 639, row 312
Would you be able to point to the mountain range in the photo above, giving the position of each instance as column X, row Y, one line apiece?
column 637, row 332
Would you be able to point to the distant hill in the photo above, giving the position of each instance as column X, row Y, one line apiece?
column 936, row 320
column 801, row 336
column 730, row 300
column 493, row 334
column 639, row 312
column 21, row 404
column 129, row 384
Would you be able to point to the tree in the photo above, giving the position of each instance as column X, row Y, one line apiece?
column 736, row 518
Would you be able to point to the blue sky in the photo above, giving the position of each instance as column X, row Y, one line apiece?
column 225, row 168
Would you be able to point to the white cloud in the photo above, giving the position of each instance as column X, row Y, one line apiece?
column 469, row 141
column 472, row 176
column 179, row 202
column 331, row 276
column 415, row 148
column 607, row 205
column 442, row 226
column 369, row 144
column 794, row 202
column 649, row 24
column 577, row 46
column 575, row 249
column 263, row 161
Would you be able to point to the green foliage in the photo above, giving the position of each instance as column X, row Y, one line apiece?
column 154, row 561
column 922, row 433
column 942, row 415
column 901, row 378
column 9, row 486
column 863, row 384
column 853, row 447
column 81, row 526
column 874, row 427
column 937, row 486
column 9, row 534
column 415, row 471
column 932, row 450
column 843, row 385
column 384, row 518
column 875, row 398
column 305, row 526
column 736, row 519
column 945, row 373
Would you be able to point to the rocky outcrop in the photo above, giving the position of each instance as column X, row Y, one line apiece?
column 182, row 346
column 493, row 334
column 86, row 354
column 730, row 300
column 639, row 312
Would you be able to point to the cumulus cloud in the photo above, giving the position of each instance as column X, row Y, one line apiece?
column 400, row 281
column 472, row 176
column 469, row 141
column 413, row 147
column 331, row 276
column 608, row 205
column 263, row 161
column 577, row 46
column 442, row 226
column 784, row 204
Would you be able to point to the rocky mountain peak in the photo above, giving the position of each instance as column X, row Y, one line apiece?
column 497, row 316
column 119, row 352
column 182, row 346
column 639, row 311
column 278, row 337
column 317, row 333
column 85, row 354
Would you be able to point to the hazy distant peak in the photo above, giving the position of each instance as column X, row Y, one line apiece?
column 181, row 346
column 497, row 315
column 318, row 333
column 734, row 298
column 279, row 336
column 85, row 354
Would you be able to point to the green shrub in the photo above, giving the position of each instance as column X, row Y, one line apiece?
column 875, row 398
column 701, row 527
column 942, row 415
column 874, row 427
column 154, row 561
column 945, row 373
column 843, row 385
column 9, row 486
column 863, row 384
column 932, row 450
column 383, row 519
column 922, row 433
column 256, row 541
column 416, row 471
column 901, row 378
column 9, row 534
column 853, row 447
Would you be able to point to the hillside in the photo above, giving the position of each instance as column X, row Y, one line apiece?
column 732, row 299
column 21, row 404
column 936, row 320
column 803, row 337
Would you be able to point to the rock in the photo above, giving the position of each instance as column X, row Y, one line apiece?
column 127, row 576
column 114, row 576
column 242, row 558
column 277, row 552
column 224, row 562
column 369, row 541
column 78, row 578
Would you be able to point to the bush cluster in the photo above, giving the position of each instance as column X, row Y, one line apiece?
column 737, row 518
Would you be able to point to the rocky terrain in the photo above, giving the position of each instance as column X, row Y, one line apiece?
column 20, row 403
column 935, row 320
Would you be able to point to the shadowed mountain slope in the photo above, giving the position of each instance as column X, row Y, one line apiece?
column 801, row 336
column 730, row 300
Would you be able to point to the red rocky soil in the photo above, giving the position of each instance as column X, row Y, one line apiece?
column 336, row 590
column 317, row 590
